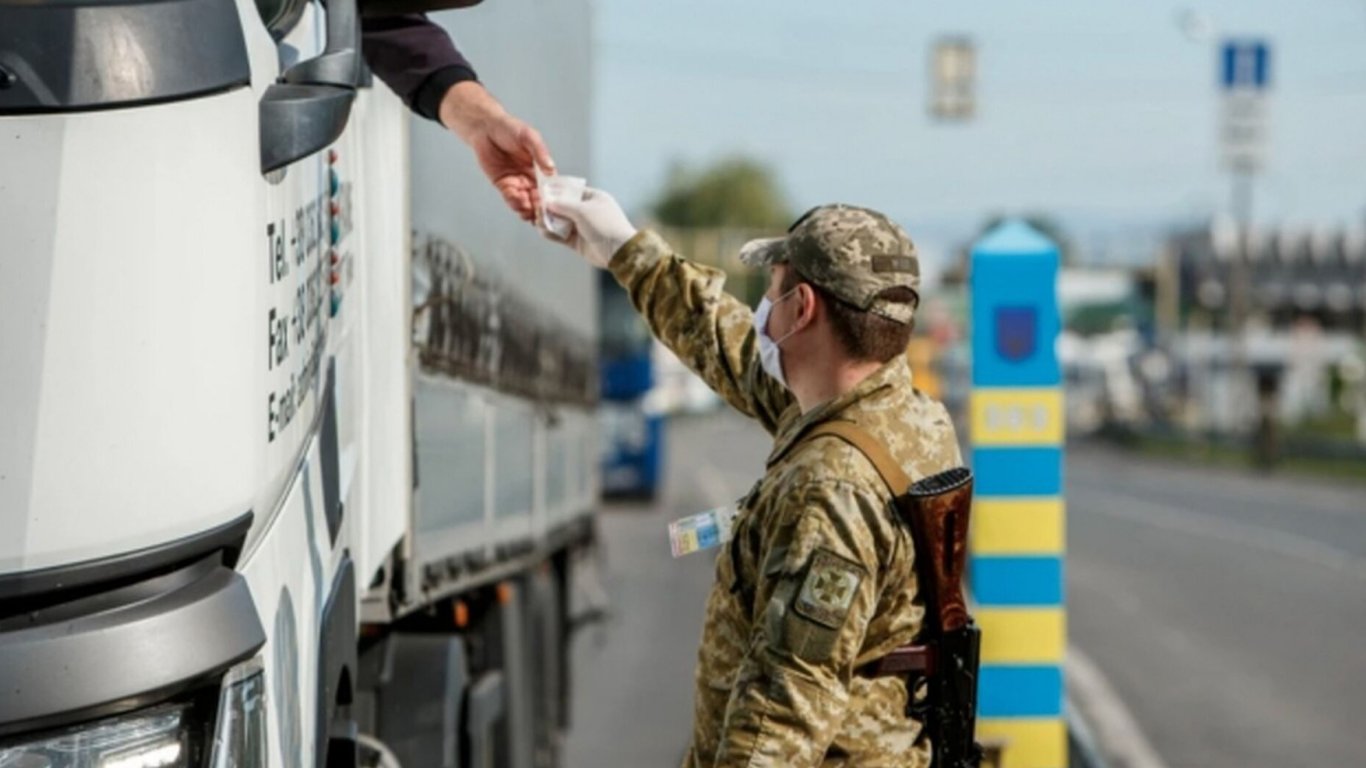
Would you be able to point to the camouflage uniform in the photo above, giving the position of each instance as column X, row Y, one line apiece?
column 818, row 579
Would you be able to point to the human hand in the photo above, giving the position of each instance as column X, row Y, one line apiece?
column 507, row 149
column 600, row 226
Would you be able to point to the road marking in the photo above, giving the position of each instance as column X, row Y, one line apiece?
column 1118, row 734
column 1272, row 540
column 1233, row 486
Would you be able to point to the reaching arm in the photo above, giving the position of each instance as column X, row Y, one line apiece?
column 417, row 59
column 683, row 303
column 711, row 331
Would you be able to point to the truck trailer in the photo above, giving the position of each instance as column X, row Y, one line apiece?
column 297, row 444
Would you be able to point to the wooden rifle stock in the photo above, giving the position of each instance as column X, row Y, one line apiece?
column 937, row 509
column 938, row 518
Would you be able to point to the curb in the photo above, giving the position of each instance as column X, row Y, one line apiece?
column 1100, row 727
column 1082, row 750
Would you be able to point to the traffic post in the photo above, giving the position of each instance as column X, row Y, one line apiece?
column 1018, row 535
column 1244, row 80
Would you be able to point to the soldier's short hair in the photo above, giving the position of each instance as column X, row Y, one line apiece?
column 863, row 335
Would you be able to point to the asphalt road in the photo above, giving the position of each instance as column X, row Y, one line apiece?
column 633, row 675
column 1227, row 611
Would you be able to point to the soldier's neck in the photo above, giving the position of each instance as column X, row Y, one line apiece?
column 824, row 382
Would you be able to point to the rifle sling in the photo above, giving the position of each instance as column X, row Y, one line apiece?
column 891, row 472
column 913, row 659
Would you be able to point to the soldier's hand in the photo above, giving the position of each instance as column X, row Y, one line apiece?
column 600, row 226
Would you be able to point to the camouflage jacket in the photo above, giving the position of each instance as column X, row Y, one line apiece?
column 818, row 578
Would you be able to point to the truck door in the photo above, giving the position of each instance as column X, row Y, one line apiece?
column 294, row 233
column 335, row 245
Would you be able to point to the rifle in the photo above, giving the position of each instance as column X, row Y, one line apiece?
column 947, row 656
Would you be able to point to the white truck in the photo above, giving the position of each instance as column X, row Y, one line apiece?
column 297, row 451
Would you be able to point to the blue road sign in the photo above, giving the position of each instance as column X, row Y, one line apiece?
column 1245, row 64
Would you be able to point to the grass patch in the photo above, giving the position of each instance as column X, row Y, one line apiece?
column 1218, row 453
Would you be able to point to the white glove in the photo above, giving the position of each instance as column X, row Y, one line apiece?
column 600, row 226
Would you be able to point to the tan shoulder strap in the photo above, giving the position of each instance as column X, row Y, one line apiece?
column 892, row 473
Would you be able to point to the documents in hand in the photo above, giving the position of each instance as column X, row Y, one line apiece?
column 554, row 189
column 701, row 531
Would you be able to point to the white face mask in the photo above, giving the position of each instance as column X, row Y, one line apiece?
column 770, row 355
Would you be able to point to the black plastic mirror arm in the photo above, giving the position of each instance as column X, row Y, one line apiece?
column 339, row 63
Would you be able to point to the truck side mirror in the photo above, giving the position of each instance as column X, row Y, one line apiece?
column 307, row 110
column 298, row 120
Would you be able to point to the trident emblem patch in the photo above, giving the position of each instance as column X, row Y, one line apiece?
column 1016, row 332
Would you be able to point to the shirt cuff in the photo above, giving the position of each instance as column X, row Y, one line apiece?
column 427, row 102
column 638, row 254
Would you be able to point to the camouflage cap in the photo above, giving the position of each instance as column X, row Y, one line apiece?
column 854, row 253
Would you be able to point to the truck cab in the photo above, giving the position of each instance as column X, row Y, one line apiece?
column 263, row 441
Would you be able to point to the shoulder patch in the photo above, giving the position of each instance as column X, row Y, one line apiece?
column 829, row 589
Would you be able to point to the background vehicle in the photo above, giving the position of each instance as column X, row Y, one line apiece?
column 299, row 439
column 632, row 419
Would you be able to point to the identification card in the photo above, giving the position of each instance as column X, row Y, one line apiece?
column 704, row 530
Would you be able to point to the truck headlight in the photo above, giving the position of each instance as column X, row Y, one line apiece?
column 165, row 736
column 155, row 738
column 239, row 738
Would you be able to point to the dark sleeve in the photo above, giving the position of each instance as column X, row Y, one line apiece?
column 415, row 58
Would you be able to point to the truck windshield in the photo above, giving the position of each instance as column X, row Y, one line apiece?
column 68, row 55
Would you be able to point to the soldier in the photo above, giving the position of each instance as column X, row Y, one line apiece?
column 817, row 582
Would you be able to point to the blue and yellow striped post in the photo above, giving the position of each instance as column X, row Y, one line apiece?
column 1018, row 531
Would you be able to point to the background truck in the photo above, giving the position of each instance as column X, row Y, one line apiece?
column 632, row 420
column 297, row 446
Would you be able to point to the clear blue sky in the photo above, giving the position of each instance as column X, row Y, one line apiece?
column 1101, row 111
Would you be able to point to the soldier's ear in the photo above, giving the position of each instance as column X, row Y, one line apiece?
column 806, row 296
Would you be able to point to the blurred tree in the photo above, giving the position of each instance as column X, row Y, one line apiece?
column 735, row 192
